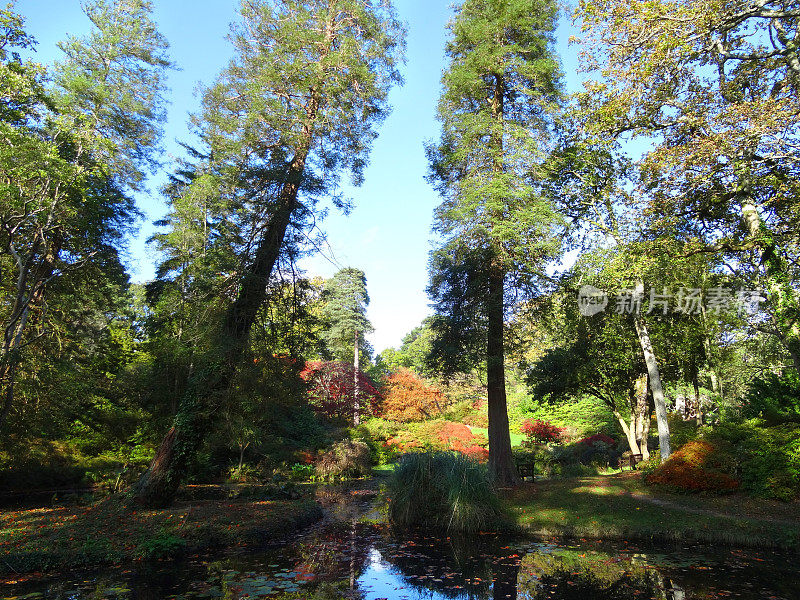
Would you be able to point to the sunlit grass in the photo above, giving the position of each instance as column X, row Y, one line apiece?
column 574, row 509
column 516, row 438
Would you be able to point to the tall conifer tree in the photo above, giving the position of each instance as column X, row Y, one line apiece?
column 296, row 108
column 500, row 93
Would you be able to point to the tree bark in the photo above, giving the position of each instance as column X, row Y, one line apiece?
column 656, row 387
column 629, row 431
column 501, row 463
column 642, row 408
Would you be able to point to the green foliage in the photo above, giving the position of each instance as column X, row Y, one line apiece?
column 581, row 416
column 767, row 459
column 442, row 490
column 344, row 313
column 301, row 472
column 376, row 433
column 76, row 141
column 163, row 544
column 774, row 398
column 114, row 81
column 413, row 353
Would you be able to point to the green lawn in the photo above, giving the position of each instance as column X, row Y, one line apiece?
column 621, row 507
column 516, row 438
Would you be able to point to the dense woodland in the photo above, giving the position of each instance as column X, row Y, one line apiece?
column 588, row 300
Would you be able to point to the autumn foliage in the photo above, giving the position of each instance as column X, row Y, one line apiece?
column 409, row 398
column 330, row 389
column 459, row 437
column 442, row 435
column 540, row 432
column 696, row 467
column 600, row 437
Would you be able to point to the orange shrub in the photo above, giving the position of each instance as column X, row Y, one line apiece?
column 409, row 398
column 477, row 453
column 450, row 433
column 696, row 467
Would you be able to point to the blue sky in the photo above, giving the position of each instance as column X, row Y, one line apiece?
column 388, row 233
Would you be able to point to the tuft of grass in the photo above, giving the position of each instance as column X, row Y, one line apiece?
column 442, row 490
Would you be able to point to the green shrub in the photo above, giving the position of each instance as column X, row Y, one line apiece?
column 301, row 472
column 681, row 431
column 776, row 399
column 444, row 491
column 348, row 458
column 581, row 416
column 163, row 545
column 767, row 458
column 376, row 433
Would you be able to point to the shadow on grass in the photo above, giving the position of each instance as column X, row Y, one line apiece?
column 613, row 508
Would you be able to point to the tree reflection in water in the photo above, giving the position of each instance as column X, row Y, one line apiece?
column 490, row 568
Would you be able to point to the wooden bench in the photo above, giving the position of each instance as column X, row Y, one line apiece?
column 527, row 470
column 631, row 459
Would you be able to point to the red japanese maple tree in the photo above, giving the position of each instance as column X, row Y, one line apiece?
column 330, row 389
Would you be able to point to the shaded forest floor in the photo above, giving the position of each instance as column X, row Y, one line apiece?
column 621, row 507
column 110, row 532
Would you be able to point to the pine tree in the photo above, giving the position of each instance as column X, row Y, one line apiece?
column 344, row 314
column 500, row 92
column 296, row 108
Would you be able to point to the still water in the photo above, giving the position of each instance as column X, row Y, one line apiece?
column 369, row 562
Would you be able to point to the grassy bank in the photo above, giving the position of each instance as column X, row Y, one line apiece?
column 109, row 532
column 621, row 507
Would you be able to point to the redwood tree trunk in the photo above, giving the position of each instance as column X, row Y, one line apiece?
column 501, row 464
column 158, row 486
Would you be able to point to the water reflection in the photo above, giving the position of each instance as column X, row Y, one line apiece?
column 369, row 563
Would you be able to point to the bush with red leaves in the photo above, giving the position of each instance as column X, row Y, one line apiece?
column 600, row 437
column 330, row 390
column 540, row 432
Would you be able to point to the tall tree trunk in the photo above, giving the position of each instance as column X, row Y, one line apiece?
column 656, row 387
column 158, row 486
column 642, row 408
column 629, row 430
column 24, row 305
column 8, row 379
column 501, row 463
column 356, row 407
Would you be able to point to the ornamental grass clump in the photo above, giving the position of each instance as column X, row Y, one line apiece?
column 444, row 491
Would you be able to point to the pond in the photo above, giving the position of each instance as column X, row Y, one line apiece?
column 370, row 562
